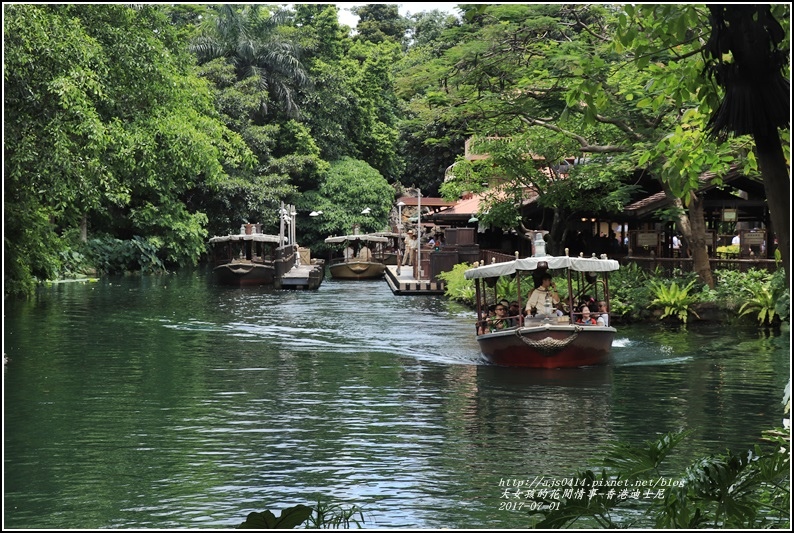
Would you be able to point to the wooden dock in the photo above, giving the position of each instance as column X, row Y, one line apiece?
column 405, row 284
column 303, row 277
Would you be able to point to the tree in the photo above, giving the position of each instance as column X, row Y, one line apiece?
column 380, row 22
column 351, row 187
column 746, row 58
column 250, row 39
column 673, row 34
column 87, row 141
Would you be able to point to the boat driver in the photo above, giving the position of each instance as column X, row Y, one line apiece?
column 537, row 298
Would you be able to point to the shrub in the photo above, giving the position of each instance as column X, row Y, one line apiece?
column 457, row 287
column 676, row 301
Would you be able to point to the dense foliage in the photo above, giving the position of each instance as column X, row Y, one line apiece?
column 164, row 124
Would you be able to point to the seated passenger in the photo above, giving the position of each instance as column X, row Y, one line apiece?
column 586, row 318
column 500, row 321
column 603, row 316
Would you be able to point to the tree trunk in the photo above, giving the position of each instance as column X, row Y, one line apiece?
column 777, row 184
column 555, row 243
column 692, row 225
column 698, row 245
column 84, row 229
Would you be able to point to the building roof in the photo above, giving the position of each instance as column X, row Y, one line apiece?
column 427, row 201
column 733, row 179
column 466, row 207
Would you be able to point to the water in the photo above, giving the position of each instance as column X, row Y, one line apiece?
column 167, row 402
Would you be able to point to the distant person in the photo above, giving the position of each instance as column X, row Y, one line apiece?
column 410, row 248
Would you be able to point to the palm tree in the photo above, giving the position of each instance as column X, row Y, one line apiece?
column 756, row 98
column 248, row 36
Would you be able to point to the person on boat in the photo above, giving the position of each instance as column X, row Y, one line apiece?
column 364, row 253
column 484, row 325
column 603, row 316
column 586, row 318
column 513, row 312
column 500, row 320
column 537, row 298
column 349, row 253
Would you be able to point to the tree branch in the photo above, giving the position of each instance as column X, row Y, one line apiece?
column 584, row 144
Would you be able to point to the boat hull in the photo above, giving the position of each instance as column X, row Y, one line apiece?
column 357, row 270
column 548, row 346
column 244, row 274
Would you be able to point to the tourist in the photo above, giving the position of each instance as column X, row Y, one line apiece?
column 500, row 320
column 364, row 253
column 603, row 316
column 586, row 318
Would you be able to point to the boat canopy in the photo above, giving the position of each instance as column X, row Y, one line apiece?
column 579, row 264
column 390, row 234
column 363, row 237
column 255, row 237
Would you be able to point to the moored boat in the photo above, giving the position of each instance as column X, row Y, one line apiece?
column 361, row 257
column 245, row 259
column 549, row 338
column 388, row 254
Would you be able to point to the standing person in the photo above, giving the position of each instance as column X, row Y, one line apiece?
column 410, row 249
column 537, row 298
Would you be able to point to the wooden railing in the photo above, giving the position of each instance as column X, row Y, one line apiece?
column 668, row 264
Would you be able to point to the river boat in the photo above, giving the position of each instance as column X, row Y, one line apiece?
column 245, row 259
column 388, row 253
column 361, row 256
column 546, row 340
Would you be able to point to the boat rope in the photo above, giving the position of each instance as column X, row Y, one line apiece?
column 549, row 346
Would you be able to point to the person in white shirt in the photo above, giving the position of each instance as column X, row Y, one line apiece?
column 603, row 316
column 537, row 298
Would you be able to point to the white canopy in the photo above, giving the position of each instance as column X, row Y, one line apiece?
column 363, row 237
column 386, row 234
column 256, row 237
column 579, row 264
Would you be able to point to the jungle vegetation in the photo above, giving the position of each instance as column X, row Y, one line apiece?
column 133, row 132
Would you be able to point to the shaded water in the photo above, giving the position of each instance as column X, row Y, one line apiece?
column 171, row 403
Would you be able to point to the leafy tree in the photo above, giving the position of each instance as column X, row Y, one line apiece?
column 380, row 22
column 746, row 55
column 88, row 144
column 249, row 37
column 350, row 188
column 669, row 42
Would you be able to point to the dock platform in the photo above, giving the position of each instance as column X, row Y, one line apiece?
column 404, row 283
column 304, row 277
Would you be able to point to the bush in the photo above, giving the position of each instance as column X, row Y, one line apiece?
column 113, row 256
